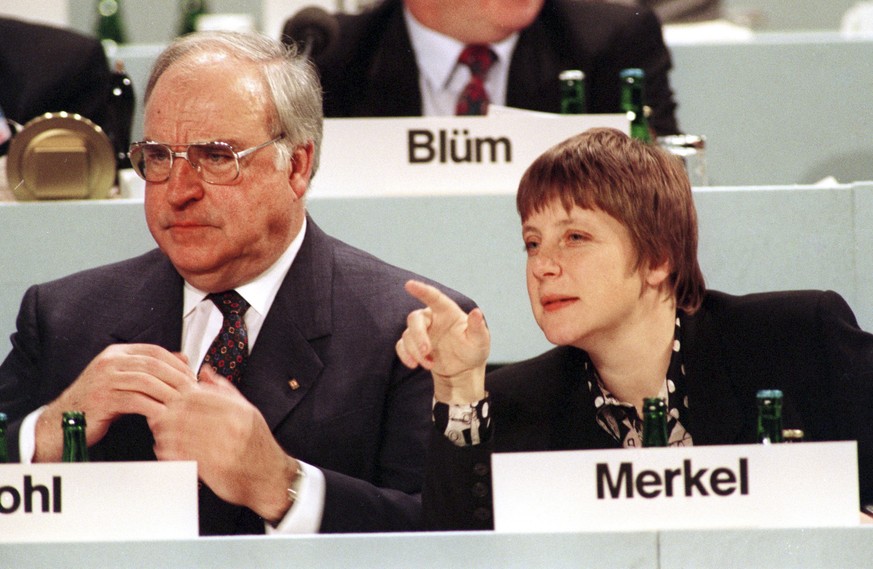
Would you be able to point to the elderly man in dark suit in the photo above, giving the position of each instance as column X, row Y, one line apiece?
column 303, row 419
column 45, row 69
column 400, row 58
column 610, row 231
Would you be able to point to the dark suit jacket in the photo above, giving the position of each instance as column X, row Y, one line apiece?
column 806, row 343
column 371, row 71
column 359, row 414
column 44, row 69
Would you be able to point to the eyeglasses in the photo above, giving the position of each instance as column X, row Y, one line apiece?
column 215, row 162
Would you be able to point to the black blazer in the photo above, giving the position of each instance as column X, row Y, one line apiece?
column 358, row 414
column 44, row 69
column 806, row 343
column 371, row 71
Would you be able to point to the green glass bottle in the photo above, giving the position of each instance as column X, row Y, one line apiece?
column 121, row 106
column 191, row 10
column 75, row 443
column 4, row 447
column 110, row 26
column 633, row 102
column 572, row 92
column 769, row 416
column 655, row 422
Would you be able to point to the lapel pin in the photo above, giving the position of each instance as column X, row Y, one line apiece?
column 294, row 384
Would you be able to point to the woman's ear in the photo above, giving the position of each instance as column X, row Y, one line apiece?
column 659, row 273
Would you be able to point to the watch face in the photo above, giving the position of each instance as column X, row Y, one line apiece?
column 60, row 156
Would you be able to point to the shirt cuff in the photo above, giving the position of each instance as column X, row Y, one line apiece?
column 464, row 425
column 306, row 512
column 27, row 436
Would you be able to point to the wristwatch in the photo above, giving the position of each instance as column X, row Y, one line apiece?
column 464, row 425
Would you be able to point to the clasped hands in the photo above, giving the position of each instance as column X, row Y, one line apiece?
column 451, row 344
column 208, row 421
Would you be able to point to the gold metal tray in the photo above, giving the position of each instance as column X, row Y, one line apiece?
column 60, row 156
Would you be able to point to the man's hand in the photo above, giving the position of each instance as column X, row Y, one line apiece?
column 450, row 343
column 237, row 455
column 123, row 379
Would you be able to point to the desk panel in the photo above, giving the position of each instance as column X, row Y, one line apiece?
column 816, row 548
column 378, row 551
column 832, row 548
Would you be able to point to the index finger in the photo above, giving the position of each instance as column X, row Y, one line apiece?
column 431, row 296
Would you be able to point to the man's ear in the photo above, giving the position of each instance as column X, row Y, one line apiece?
column 300, row 171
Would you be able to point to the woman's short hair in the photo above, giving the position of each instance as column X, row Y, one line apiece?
column 641, row 185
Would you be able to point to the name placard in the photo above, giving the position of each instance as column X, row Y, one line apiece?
column 440, row 155
column 98, row 501
column 784, row 485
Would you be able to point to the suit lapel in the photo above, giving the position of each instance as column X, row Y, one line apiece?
column 152, row 315
column 154, row 307
column 710, row 390
column 285, row 363
column 576, row 426
column 393, row 74
column 542, row 52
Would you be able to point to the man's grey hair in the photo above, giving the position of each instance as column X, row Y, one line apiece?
column 292, row 82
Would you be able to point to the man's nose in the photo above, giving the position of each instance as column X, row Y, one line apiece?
column 184, row 183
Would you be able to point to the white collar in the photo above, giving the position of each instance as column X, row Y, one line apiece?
column 437, row 54
column 261, row 291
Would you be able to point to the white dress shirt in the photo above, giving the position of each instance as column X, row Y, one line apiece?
column 441, row 78
column 201, row 321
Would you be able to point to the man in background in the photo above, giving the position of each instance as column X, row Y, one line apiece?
column 46, row 69
column 401, row 57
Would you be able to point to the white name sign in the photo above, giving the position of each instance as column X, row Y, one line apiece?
column 784, row 485
column 98, row 501
column 440, row 155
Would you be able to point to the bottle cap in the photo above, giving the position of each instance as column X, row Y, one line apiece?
column 633, row 72
column 653, row 403
column 73, row 418
column 672, row 141
column 792, row 435
column 769, row 394
column 571, row 75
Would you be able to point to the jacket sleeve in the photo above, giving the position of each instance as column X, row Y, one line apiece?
column 849, row 356
column 18, row 373
column 389, row 497
column 457, row 486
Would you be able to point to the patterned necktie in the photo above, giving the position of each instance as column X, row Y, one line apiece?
column 228, row 353
column 474, row 98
